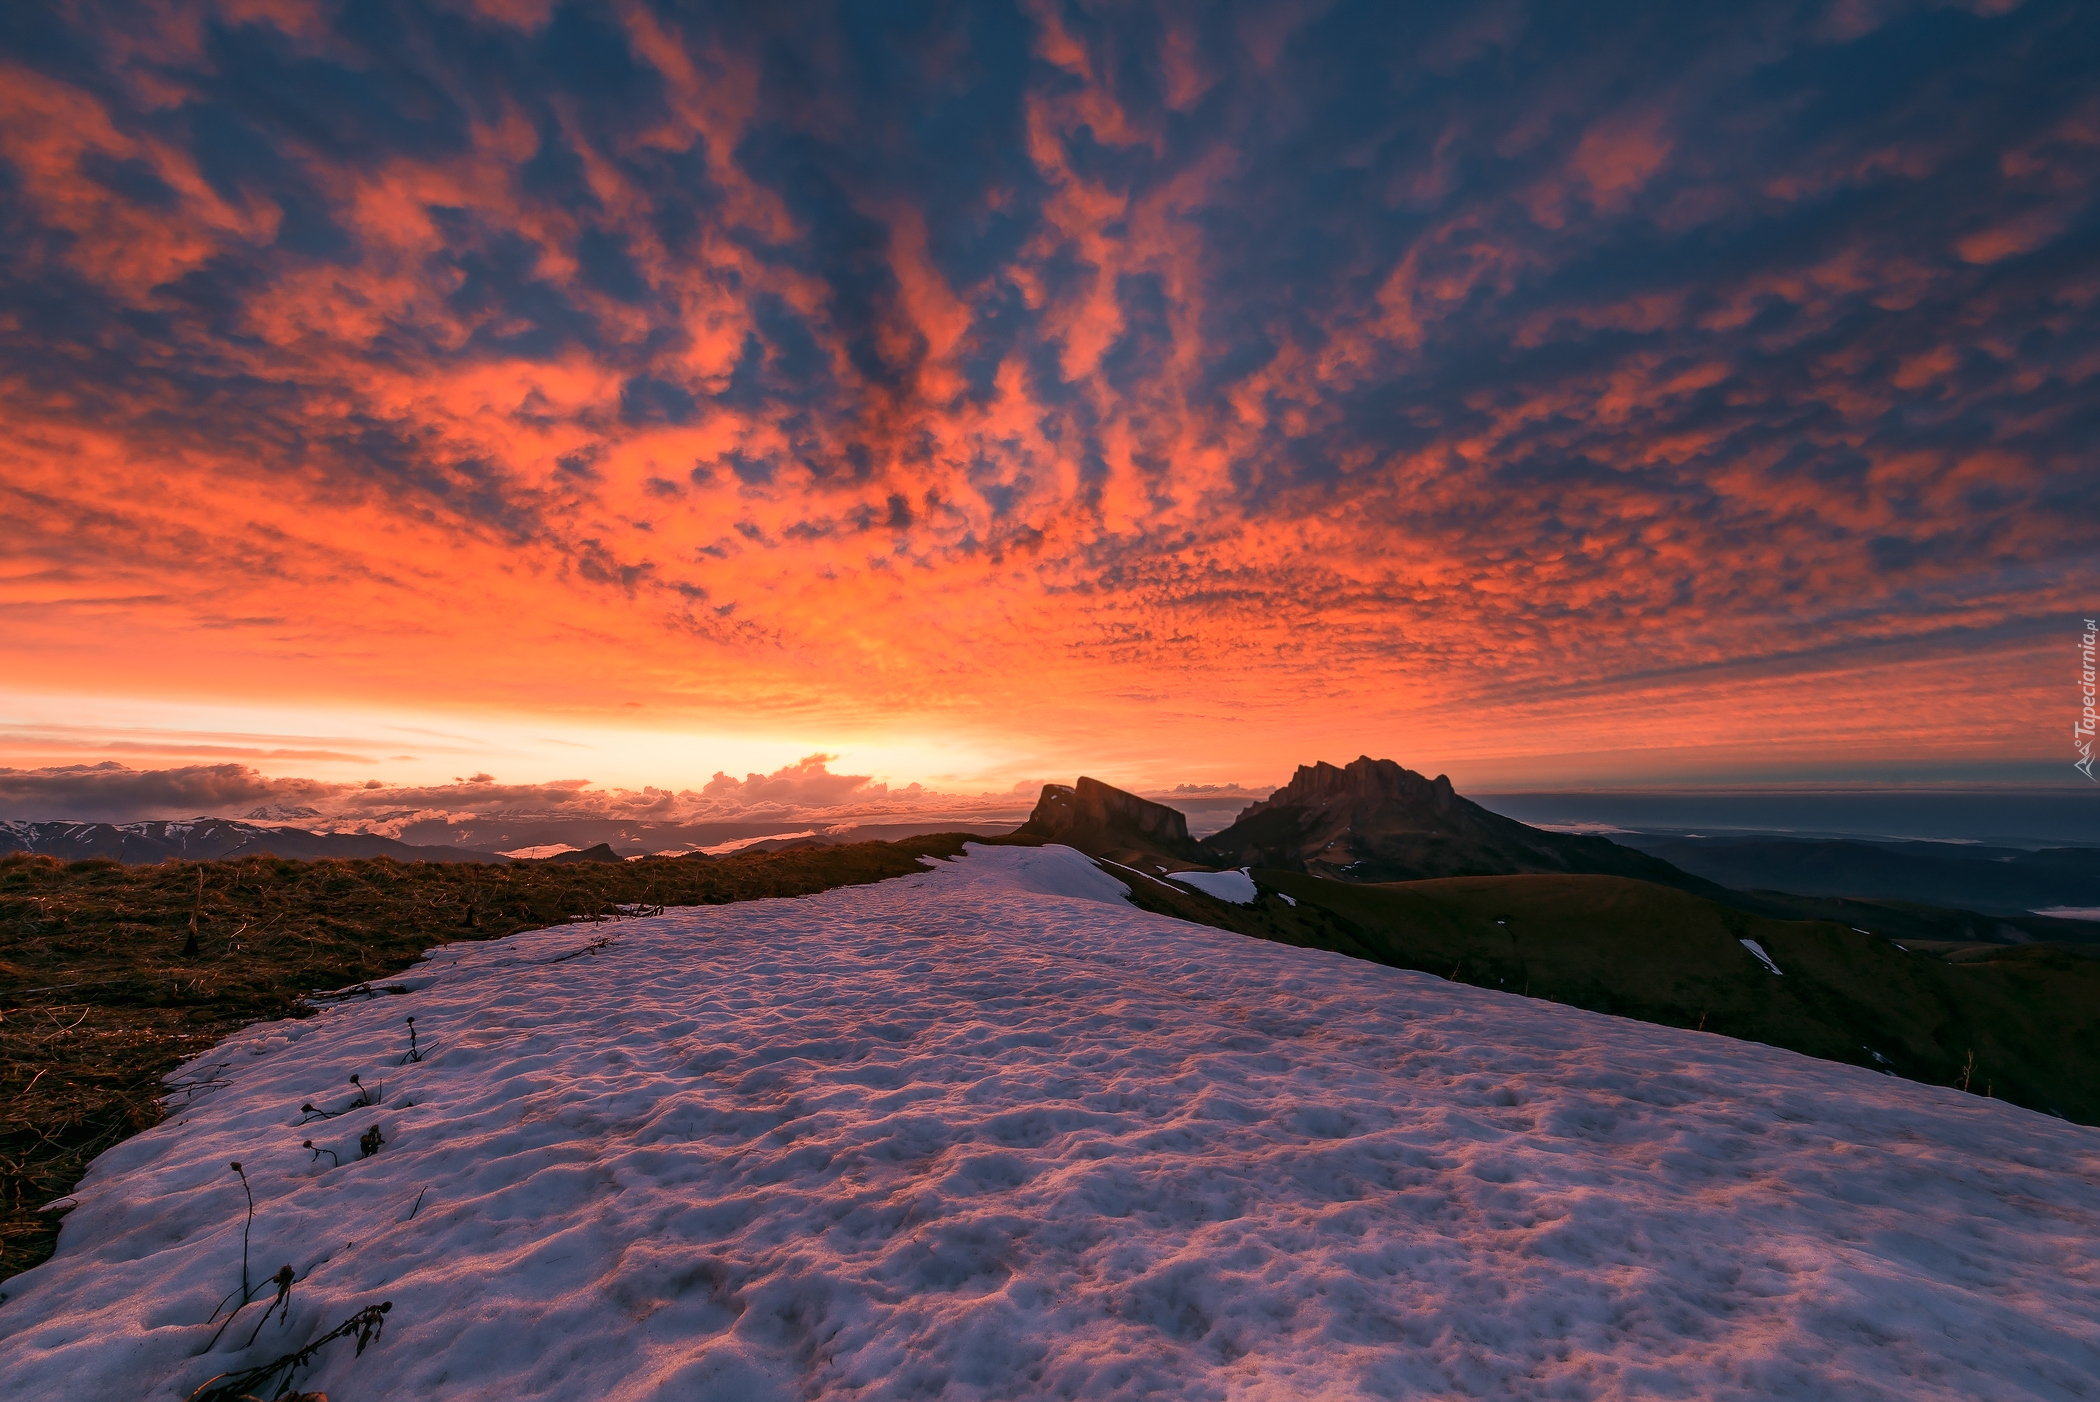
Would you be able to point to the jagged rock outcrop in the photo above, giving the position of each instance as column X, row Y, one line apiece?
column 1373, row 820
column 1103, row 821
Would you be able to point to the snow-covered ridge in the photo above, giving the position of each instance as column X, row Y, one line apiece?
column 991, row 1132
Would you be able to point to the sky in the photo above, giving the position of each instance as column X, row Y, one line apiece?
column 972, row 395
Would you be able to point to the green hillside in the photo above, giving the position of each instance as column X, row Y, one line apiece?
column 2029, row 1015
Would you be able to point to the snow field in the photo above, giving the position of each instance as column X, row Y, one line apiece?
column 991, row 1132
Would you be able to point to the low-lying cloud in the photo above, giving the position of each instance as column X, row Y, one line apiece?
column 805, row 791
column 114, row 792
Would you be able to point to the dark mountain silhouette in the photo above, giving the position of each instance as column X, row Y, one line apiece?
column 1103, row 821
column 211, row 840
column 603, row 852
column 1373, row 820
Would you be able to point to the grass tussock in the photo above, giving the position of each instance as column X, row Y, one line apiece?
column 111, row 976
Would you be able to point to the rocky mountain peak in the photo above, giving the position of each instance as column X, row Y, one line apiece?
column 1375, row 820
column 1099, row 819
column 1091, row 804
column 1318, row 787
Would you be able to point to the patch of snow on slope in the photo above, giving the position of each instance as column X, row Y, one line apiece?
column 1759, row 950
column 1234, row 886
column 990, row 1132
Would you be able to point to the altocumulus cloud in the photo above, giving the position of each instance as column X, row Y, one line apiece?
column 985, row 356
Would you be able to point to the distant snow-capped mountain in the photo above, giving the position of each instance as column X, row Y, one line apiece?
column 483, row 839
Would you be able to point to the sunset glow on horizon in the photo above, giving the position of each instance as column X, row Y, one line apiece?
column 1175, row 394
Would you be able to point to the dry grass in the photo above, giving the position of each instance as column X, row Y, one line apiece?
column 99, row 1001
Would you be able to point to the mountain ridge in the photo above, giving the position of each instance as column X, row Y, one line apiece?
column 211, row 840
column 1375, row 820
column 1366, row 822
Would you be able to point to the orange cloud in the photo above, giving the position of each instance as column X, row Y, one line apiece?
column 1179, row 389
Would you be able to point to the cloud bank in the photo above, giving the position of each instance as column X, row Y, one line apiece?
column 115, row 791
column 805, row 791
column 1489, row 376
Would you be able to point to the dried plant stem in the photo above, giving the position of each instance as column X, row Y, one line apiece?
column 246, row 1227
column 365, row 1325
